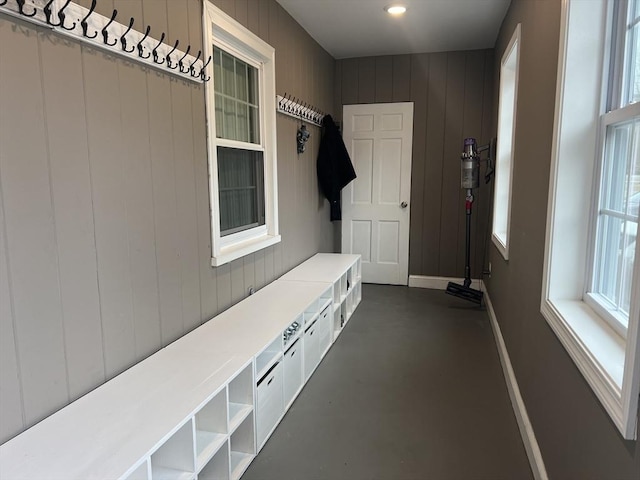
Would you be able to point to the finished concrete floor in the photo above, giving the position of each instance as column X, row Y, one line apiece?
column 412, row 389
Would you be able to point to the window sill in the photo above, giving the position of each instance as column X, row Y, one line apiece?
column 597, row 350
column 500, row 242
column 237, row 250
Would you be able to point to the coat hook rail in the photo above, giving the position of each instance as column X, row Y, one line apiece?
column 296, row 108
column 86, row 25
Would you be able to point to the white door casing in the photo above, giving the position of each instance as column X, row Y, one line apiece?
column 376, row 205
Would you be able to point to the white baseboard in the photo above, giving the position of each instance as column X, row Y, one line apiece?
column 438, row 283
column 526, row 429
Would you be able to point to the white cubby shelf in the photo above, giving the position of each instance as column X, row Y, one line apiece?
column 190, row 411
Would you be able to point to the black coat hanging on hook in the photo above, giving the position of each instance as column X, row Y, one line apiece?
column 335, row 169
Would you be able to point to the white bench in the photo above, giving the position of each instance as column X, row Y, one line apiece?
column 203, row 406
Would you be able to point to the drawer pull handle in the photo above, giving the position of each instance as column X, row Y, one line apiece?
column 270, row 380
column 293, row 353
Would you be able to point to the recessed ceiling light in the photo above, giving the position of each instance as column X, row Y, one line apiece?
column 395, row 9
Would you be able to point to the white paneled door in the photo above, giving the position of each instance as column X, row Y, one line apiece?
column 375, row 206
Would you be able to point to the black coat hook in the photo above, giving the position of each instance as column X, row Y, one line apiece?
column 192, row 69
column 184, row 69
column 47, row 13
column 21, row 9
column 3, row 2
column 202, row 75
column 155, row 51
column 123, row 39
column 168, row 57
column 141, row 47
column 62, row 16
column 84, row 23
column 105, row 32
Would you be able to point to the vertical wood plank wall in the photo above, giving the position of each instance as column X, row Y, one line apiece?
column 104, row 204
column 453, row 99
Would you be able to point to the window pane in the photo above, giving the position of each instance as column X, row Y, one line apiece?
column 230, row 119
column 242, row 124
column 618, row 217
column 241, row 189
column 608, row 259
column 237, row 85
column 632, row 55
column 228, row 75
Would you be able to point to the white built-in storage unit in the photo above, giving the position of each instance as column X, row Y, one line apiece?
column 344, row 272
column 202, row 407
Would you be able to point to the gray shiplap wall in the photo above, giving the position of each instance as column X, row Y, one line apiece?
column 104, row 203
column 574, row 432
column 453, row 99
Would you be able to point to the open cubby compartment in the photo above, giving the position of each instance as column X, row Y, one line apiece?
column 350, row 279
column 344, row 316
column 141, row 472
column 337, row 322
column 343, row 287
column 269, row 356
column 218, row 467
column 349, row 304
column 336, row 292
column 175, row 459
column 240, row 397
column 211, row 427
column 243, row 447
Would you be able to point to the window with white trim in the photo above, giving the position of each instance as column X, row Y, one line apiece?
column 507, row 101
column 591, row 283
column 241, row 139
column 616, row 215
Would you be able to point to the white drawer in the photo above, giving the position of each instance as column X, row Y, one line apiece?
column 311, row 349
column 324, row 330
column 293, row 374
column 270, row 402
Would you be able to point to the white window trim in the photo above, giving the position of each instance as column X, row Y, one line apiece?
column 501, row 238
column 609, row 362
column 221, row 29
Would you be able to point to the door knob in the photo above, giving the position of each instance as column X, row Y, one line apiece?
column 404, row 204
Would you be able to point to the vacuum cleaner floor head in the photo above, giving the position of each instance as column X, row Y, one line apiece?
column 466, row 293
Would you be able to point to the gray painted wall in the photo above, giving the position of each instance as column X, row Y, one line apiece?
column 576, row 436
column 453, row 99
column 104, row 203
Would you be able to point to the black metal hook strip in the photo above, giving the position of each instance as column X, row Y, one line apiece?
column 191, row 69
column 303, row 110
column 154, row 52
column 140, row 46
column 123, row 38
column 105, row 32
column 21, row 9
column 84, row 23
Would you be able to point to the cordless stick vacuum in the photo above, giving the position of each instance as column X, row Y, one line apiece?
column 470, row 179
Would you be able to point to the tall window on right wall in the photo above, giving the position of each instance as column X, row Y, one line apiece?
column 507, row 101
column 591, row 282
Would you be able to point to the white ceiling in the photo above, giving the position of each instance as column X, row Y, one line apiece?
column 361, row 28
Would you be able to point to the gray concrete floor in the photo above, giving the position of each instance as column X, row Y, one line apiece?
column 412, row 389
